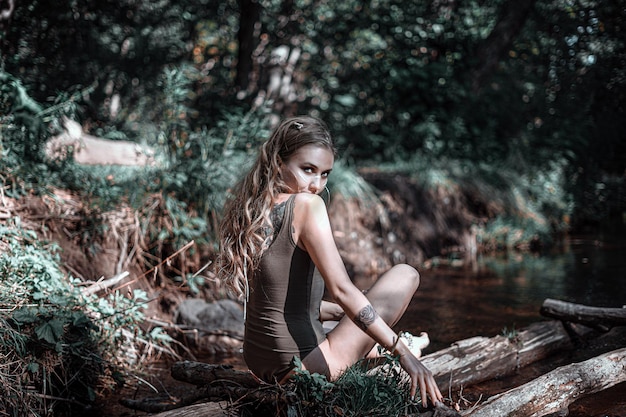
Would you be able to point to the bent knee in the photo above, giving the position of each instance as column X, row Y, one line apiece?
column 409, row 275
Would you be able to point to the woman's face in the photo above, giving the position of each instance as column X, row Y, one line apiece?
column 307, row 170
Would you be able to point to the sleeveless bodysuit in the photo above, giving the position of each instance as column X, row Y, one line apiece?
column 284, row 304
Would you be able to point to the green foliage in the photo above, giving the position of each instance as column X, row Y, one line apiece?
column 22, row 133
column 394, row 79
column 360, row 391
column 512, row 335
column 25, row 126
column 61, row 343
column 391, row 78
column 203, row 164
column 121, row 45
column 367, row 388
column 346, row 182
column 517, row 209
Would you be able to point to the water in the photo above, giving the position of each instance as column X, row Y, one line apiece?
column 506, row 292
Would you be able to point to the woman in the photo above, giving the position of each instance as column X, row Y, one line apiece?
column 278, row 251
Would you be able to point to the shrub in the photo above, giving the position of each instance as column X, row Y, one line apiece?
column 60, row 347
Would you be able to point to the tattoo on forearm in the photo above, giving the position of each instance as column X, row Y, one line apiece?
column 366, row 316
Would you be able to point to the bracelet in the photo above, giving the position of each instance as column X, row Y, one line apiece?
column 395, row 343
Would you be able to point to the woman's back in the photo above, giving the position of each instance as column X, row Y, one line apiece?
column 283, row 310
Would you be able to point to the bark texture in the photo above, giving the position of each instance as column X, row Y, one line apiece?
column 479, row 359
column 600, row 318
column 552, row 393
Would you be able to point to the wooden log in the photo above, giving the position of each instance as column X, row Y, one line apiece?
column 552, row 393
column 465, row 363
column 597, row 317
column 93, row 150
column 199, row 410
column 214, row 383
column 479, row 359
column 198, row 373
column 162, row 403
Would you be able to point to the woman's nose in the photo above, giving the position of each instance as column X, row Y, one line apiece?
column 316, row 184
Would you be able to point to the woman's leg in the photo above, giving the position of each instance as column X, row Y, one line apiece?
column 347, row 343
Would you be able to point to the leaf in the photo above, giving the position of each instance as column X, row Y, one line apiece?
column 25, row 315
column 33, row 367
column 51, row 331
column 59, row 299
column 79, row 319
column 159, row 334
column 39, row 295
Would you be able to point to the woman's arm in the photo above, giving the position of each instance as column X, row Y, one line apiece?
column 312, row 231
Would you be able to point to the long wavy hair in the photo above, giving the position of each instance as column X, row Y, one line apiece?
column 243, row 232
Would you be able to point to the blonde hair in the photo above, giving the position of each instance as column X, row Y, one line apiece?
column 243, row 229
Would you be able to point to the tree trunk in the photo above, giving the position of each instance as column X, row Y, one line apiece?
column 552, row 393
column 597, row 317
column 512, row 19
column 250, row 11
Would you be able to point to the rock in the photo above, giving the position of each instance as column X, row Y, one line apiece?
column 218, row 316
column 215, row 327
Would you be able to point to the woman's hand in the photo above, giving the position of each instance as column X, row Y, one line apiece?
column 420, row 377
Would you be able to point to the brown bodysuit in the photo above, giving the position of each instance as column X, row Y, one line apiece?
column 283, row 309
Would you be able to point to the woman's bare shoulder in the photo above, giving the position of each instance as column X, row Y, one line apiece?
column 309, row 213
column 309, row 202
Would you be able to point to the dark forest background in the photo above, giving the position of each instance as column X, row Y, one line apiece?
column 528, row 91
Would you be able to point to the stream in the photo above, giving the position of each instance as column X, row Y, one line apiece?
column 504, row 293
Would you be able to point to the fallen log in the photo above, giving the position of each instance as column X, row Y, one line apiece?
column 92, row 150
column 599, row 318
column 228, row 394
column 199, row 410
column 224, row 410
column 198, row 373
column 553, row 392
column 479, row 359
